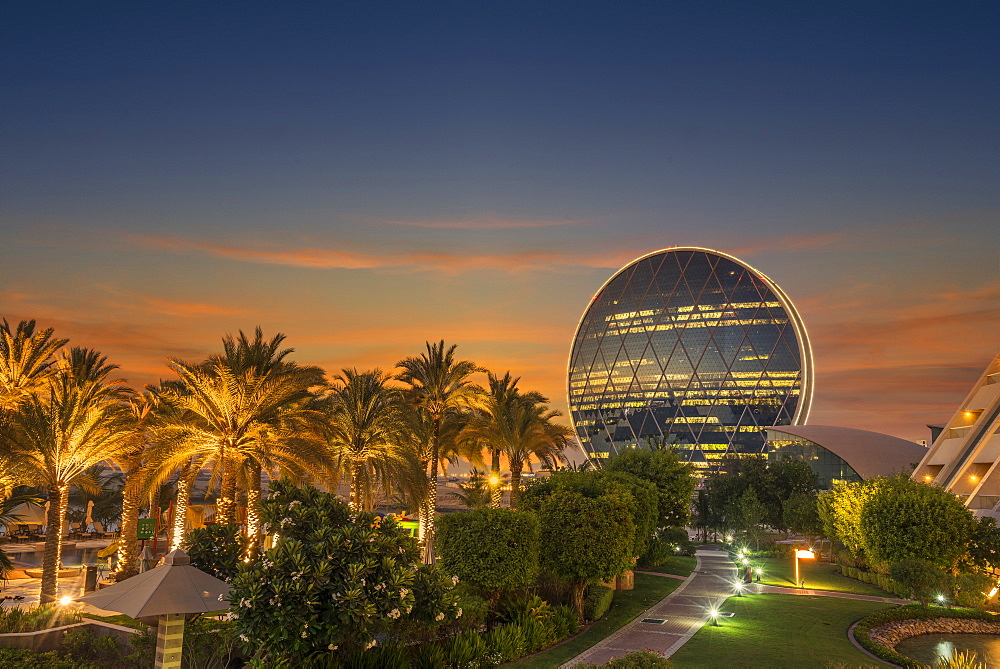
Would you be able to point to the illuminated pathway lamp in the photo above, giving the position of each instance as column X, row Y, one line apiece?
column 164, row 597
column 757, row 572
column 801, row 555
column 714, row 615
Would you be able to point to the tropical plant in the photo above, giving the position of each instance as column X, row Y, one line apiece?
column 438, row 386
column 475, row 493
column 27, row 360
column 79, row 420
column 364, row 434
column 216, row 549
column 240, row 414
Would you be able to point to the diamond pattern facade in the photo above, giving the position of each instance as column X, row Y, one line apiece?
column 688, row 347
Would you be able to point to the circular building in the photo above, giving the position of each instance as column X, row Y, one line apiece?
column 692, row 348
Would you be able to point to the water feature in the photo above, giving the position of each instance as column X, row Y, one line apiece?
column 927, row 647
column 72, row 557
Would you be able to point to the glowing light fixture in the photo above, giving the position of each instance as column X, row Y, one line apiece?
column 65, row 600
column 494, row 480
column 714, row 615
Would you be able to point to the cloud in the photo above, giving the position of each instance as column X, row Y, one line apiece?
column 485, row 222
column 184, row 309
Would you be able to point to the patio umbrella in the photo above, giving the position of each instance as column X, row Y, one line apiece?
column 89, row 520
column 164, row 596
column 31, row 514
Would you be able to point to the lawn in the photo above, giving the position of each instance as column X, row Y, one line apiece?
column 817, row 575
column 627, row 605
column 780, row 631
column 678, row 565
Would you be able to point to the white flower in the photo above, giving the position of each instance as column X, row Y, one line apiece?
column 409, row 608
column 221, row 597
column 394, row 614
column 332, row 646
column 303, row 634
column 439, row 617
column 370, row 644
column 403, row 592
column 454, row 580
column 244, row 638
column 458, row 614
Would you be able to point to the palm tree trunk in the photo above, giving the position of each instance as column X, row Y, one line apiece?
column 356, row 503
column 427, row 520
column 515, row 481
column 254, row 534
column 128, row 542
column 52, row 557
column 496, row 493
column 181, row 506
column 225, row 506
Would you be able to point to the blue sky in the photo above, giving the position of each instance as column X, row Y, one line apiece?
column 366, row 176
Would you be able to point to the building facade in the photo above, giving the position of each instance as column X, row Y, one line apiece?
column 692, row 348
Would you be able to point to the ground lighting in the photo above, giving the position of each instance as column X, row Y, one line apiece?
column 714, row 614
column 739, row 589
column 758, row 571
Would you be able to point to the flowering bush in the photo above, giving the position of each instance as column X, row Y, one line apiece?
column 333, row 581
column 216, row 549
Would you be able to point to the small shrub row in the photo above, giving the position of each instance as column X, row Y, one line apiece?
column 637, row 659
column 878, row 580
column 14, row 619
column 907, row 612
column 597, row 602
column 22, row 658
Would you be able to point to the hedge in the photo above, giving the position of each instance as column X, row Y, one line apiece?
column 597, row 602
column 878, row 580
column 907, row 612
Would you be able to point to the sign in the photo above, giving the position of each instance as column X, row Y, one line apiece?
column 145, row 529
column 804, row 554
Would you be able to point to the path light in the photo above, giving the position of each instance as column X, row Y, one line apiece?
column 941, row 600
column 758, row 571
column 739, row 589
column 804, row 555
column 729, row 538
column 494, row 480
column 65, row 600
column 714, row 614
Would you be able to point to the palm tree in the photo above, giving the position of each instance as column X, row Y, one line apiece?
column 241, row 413
column 80, row 419
column 520, row 426
column 366, row 426
column 27, row 359
column 438, row 385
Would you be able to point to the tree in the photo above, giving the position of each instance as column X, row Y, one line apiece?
column 334, row 581
column 27, row 360
column 366, row 426
column 842, row 508
column 908, row 520
column 802, row 515
column 673, row 478
column 585, row 539
column 240, row 413
column 984, row 545
column 476, row 492
column 79, row 420
column 438, row 385
column 923, row 579
column 492, row 549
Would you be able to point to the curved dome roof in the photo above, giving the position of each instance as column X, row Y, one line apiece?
column 870, row 454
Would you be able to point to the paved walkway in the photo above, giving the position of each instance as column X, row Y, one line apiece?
column 684, row 611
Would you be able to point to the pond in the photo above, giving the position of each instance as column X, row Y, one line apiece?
column 927, row 647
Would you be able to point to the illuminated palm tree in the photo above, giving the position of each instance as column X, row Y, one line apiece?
column 366, row 427
column 439, row 385
column 80, row 419
column 27, row 359
column 240, row 414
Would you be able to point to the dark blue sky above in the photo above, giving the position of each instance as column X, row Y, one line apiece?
column 504, row 159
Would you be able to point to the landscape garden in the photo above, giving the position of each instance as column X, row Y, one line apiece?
column 301, row 469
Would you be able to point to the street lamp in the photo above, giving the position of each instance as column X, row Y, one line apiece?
column 805, row 555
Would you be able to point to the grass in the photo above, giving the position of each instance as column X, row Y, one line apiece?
column 627, row 605
column 817, row 575
column 678, row 565
column 780, row 631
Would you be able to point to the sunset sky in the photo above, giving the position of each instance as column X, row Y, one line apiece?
column 367, row 176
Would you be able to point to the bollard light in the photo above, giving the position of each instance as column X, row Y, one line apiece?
column 714, row 613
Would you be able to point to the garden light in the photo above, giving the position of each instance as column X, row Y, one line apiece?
column 739, row 589
column 494, row 480
column 65, row 600
column 729, row 537
column 758, row 571
column 714, row 614
column 940, row 599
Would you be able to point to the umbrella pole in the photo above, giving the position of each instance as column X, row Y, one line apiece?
column 169, row 641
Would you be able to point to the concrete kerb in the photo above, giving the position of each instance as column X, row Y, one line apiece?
column 850, row 636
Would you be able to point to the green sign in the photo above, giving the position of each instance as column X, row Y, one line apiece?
column 146, row 528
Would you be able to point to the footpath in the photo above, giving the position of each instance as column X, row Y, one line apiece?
column 668, row 624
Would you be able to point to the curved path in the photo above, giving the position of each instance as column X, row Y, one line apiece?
column 685, row 610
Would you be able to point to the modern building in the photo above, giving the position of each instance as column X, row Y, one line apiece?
column 843, row 454
column 964, row 456
column 690, row 347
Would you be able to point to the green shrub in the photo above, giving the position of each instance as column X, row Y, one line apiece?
column 597, row 602
column 878, row 580
column 83, row 644
column 565, row 620
column 920, row 578
column 14, row 619
column 505, row 643
column 493, row 549
column 429, row 656
column 19, row 658
column 216, row 549
column 971, row 589
column 464, row 650
column 640, row 659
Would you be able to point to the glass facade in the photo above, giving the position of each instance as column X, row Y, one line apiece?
column 691, row 348
column 829, row 467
